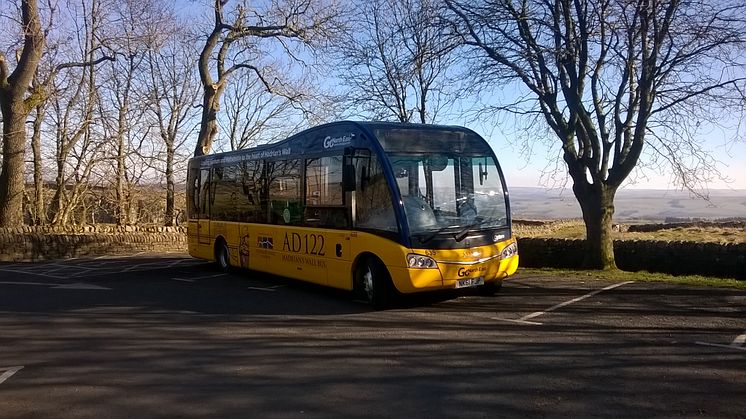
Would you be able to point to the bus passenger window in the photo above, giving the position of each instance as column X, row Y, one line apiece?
column 285, row 206
column 324, row 193
column 225, row 202
column 193, row 192
column 324, row 181
column 204, row 194
column 251, row 193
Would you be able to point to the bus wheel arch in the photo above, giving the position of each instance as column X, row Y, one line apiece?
column 372, row 281
column 222, row 254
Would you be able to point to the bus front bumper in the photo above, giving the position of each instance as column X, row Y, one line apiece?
column 453, row 275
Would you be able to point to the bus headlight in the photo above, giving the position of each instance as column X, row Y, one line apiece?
column 509, row 251
column 420, row 262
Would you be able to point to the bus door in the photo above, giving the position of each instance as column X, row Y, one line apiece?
column 203, row 208
column 356, row 173
column 371, row 203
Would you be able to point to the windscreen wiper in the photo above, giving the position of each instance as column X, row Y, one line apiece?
column 433, row 234
column 461, row 235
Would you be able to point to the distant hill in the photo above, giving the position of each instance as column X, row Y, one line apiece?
column 631, row 205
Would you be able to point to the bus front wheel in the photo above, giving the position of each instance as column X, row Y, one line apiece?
column 222, row 257
column 491, row 288
column 374, row 282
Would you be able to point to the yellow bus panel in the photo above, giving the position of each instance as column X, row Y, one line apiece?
column 327, row 257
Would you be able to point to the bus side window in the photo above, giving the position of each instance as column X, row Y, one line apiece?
column 252, row 193
column 373, row 202
column 204, row 194
column 193, row 193
column 285, row 205
column 324, row 193
column 225, row 201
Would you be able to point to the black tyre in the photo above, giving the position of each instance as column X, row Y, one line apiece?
column 490, row 288
column 222, row 256
column 374, row 283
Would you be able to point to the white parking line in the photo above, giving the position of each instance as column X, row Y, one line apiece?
column 41, row 284
column 736, row 344
column 574, row 300
column 739, row 340
column 179, row 261
column 718, row 345
column 134, row 255
column 202, row 277
column 20, row 271
column 516, row 321
column 74, row 286
column 81, row 286
column 270, row 289
column 58, row 267
column 9, row 371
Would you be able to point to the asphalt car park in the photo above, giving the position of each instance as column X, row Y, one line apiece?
column 168, row 336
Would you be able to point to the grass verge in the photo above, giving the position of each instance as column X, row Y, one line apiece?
column 618, row 275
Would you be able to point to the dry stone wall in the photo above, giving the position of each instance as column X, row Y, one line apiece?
column 675, row 257
column 28, row 244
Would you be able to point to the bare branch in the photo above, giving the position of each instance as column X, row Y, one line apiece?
column 649, row 63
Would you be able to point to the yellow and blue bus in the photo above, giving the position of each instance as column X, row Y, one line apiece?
column 369, row 207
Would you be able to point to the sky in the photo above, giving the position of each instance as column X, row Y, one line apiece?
column 524, row 168
column 539, row 164
column 532, row 165
column 525, row 171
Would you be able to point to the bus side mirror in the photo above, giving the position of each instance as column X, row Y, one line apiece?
column 348, row 178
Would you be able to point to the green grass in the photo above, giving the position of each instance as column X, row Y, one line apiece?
column 618, row 275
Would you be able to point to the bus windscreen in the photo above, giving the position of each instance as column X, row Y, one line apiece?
column 449, row 193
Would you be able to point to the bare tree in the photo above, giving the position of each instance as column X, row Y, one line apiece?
column 39, row 91
column 609, row 78
column 398, row 62
column 253, row 115
column 16, row 102
column 78, row 146
column 234, row 44
column 134, row 27
column 174, row 89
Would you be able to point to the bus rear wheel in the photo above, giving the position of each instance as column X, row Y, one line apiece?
column 374, row 283
column 222, row 257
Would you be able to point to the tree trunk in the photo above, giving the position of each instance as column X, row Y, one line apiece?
column 209, row 127
column 169, row 185
column 56, row 206
column 12, row 172
column 122, row 207
column 15, row 108
column 40, row 213
column 597, row 204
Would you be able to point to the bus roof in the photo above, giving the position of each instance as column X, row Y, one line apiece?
column 325, row 138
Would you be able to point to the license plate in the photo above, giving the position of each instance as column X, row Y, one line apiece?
column 469, row 282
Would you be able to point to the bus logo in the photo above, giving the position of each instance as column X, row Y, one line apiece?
column 330, row 141
column 462, row 272
column 265, row 242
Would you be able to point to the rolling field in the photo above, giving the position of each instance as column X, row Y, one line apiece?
column 633, row 206
column 575, row 229
column 662, row 212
